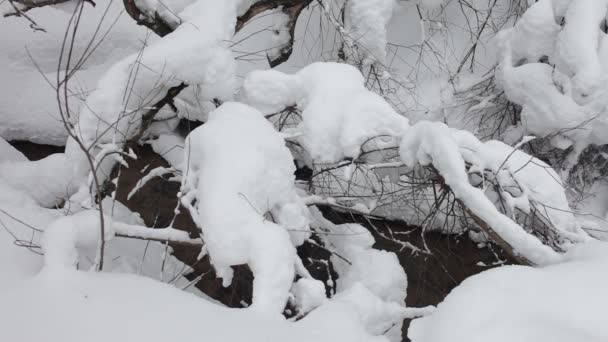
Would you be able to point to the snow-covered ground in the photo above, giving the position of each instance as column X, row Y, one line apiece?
column 563, row 302
column 402, row 105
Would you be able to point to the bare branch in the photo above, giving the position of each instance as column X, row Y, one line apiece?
column 292, row 8
column 26, row 5
column 156, row 23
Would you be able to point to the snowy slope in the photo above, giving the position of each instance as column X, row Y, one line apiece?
column 29, row 59
column 560, row 303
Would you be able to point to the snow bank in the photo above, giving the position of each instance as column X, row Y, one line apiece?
column 28, row 105
column 9, row 153
column 23, row 222
column 64, row 235
column 339, row 114
column 239, row 169
column 563, row 302
column 65, row 304
column 47, row 180
column 68, row 306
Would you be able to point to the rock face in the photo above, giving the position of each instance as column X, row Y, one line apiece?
column 430, row 277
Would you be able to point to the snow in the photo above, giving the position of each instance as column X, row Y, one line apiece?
column 308, row 295
column 66, row 304
column 359, row 265
column 44, row 180
column 238, row 174
column 135, row 308
column 368, row 21
column 28, row 106
column 545, row 110
column 562, row 302
column 231, row 204
column 564, row 99
column 114, row 110
column 167, row 11
column 24, row 188
column 169, row 62
column 62, row 237
column 281, row 37
column 339, row 114
column 540, row 185
column 19, row 263
column 576, row 50
column 270, row 91
column 9, row 153
column 378, row 270
column 328, row 134
column 170, row 147
column 535, row 34
column 430, row 142
column 159, row 234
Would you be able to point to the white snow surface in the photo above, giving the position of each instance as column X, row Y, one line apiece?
column 308, row 295
column 560, row 303
column 339, row 114
column 23, row 221
column 68, row 305
column 431, row 142
column 539, row 184
column 46, row 180
column 565, row 99
column 239, row 169
column 368, row 21
column 196, row 53
column 9, row 153
column 170, row 147
column 358, row 264
column 29, row 107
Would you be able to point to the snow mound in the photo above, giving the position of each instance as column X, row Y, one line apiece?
column 29, row 103
column 339, row 114
column 308, row 295
column 561, row 303
column 358, row 264
column 239, row 169
column 67, row 306
column 553, row 64
column 64, row 235
column 46, row 180
column 9, row 153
